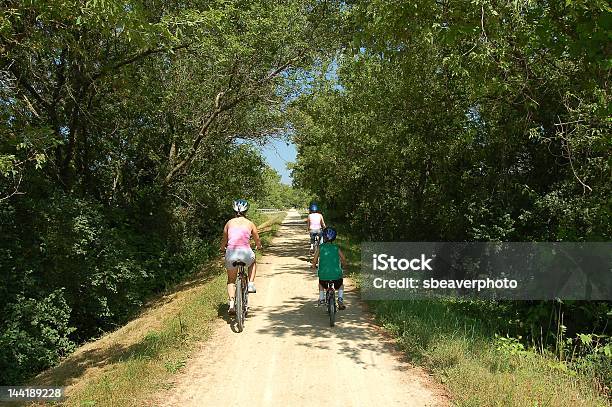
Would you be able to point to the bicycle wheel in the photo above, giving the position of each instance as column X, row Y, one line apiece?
column 246, row 297
column 331, row 308
column 239, row 298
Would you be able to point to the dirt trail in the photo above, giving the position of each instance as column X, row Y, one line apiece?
column 289, row 356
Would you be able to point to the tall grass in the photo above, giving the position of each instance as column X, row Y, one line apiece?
column 480, row 367
column 464, row 343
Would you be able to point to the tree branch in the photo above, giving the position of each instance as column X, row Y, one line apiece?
column 220, row 108
column 21, row 80
column 16, row 189
column 196, row 143
column 135, row 58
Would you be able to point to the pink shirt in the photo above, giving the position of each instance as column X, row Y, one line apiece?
column 315, row 220
column 238, row 236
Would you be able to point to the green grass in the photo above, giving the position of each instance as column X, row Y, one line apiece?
column 147, row 365
column 478, row 367
column 270, row 227
column 351, row 248
column 456, row 340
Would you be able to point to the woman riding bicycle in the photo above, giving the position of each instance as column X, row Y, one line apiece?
column 315, row 224
column 330, row 259
column 236, row 244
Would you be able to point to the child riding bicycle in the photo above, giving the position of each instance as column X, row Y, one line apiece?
column 330, row 259
column 315, row 223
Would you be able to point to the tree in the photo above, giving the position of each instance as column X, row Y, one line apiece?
column 463, row 121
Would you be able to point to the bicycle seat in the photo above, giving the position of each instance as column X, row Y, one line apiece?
column 239, row 263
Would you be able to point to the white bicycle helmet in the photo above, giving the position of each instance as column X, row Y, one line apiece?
column 241, row 206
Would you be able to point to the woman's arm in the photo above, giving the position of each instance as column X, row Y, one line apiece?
column 255, row 233
column 323, row 222
column 224, row 239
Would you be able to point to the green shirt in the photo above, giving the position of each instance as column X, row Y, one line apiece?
column 329, row 262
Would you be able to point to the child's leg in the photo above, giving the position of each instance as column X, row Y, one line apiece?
column 321, row 292
column 341, row 305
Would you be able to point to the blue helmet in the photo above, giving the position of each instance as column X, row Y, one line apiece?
column 314, row 207
column 329, row 234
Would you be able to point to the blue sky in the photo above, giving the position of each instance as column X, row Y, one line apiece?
column 278, row 153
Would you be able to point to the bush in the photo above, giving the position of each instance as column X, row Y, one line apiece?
column 35, row 335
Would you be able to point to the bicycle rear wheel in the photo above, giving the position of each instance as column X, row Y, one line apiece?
column 246, row 297
column 239, row 305
column 331, row 308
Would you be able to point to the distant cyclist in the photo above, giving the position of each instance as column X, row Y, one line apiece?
column 236, row 243
column 315, row 224
column 330, row 259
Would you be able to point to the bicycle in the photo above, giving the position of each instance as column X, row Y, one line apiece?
column 330, row 301
column 242, row 295
column 317, row 242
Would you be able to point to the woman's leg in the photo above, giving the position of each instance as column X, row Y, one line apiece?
column 231, row 283
column 252, row 271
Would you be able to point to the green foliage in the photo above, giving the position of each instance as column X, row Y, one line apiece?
column 277, row 195
column 463, row 122
column 36, row 333
column 429, row 121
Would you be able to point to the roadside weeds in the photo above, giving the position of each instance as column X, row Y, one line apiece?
column 464, row 354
